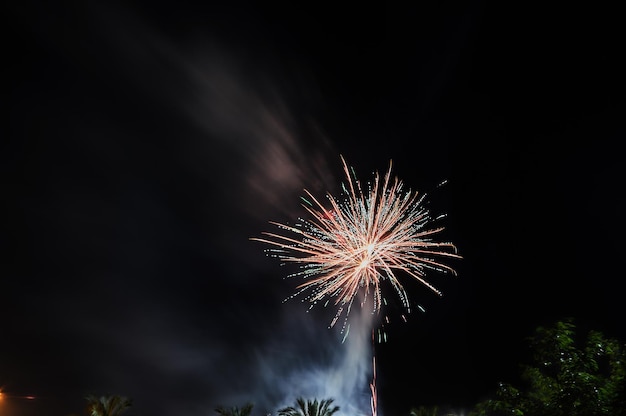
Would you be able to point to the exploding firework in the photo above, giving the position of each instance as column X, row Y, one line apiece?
column 364, row 237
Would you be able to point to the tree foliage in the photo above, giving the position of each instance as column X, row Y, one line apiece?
column 310, row 408
column 567, row 377
column 424, row 411
column 108, row 405
column 246, row 410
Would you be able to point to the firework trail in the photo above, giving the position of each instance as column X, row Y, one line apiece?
column 374, row 393
column 364, row 238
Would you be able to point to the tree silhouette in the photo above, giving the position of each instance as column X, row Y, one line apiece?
column 107, row 405
column 424, row 411
column 567, row 377
column 310, row 408
column 246, row 410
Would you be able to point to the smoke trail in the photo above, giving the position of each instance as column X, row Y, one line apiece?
column 331, row 365
column 249, row 119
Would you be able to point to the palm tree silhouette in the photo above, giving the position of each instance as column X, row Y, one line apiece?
column 310, row 408
column 235, row 411
column 108, row 405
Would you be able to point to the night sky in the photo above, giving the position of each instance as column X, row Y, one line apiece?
column 147, row 142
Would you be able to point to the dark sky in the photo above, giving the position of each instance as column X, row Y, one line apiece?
column 147, row 142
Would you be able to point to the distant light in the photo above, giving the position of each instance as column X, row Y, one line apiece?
column 4, row 396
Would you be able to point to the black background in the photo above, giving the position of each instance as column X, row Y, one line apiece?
column 519, row 107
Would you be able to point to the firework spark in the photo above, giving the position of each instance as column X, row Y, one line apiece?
column 364, row 237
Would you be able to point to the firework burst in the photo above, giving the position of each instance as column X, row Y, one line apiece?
column 364, row 237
